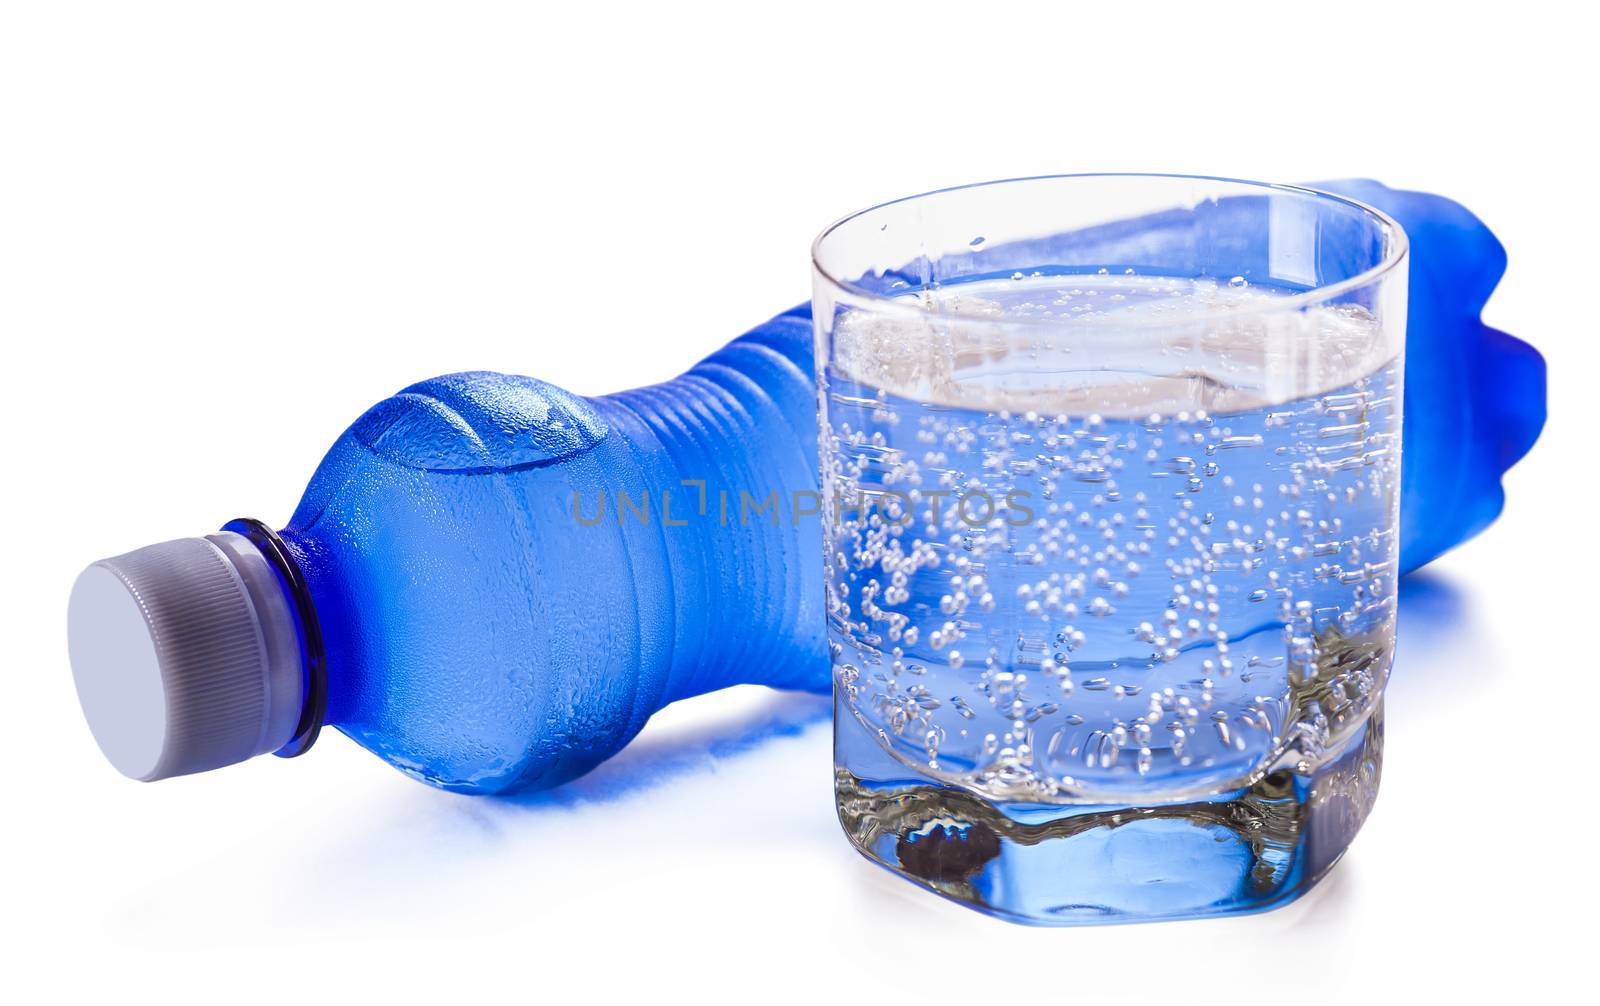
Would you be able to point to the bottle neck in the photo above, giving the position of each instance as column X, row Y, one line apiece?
column 286, row 568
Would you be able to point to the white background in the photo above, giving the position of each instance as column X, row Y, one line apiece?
column 226, row 229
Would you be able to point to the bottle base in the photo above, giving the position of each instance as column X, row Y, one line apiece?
column 1234, row 853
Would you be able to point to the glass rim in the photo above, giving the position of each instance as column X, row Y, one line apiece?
column 1393, row 256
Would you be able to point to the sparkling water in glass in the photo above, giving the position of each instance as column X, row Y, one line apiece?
column 1110, row 468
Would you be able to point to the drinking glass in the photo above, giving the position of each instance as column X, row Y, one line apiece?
column 1110, row 467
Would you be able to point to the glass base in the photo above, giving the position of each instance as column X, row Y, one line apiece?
column 1237, row 852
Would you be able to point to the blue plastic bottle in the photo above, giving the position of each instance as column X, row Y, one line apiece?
column 492, row 584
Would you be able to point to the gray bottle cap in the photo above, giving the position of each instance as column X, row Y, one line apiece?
column 185, row 656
